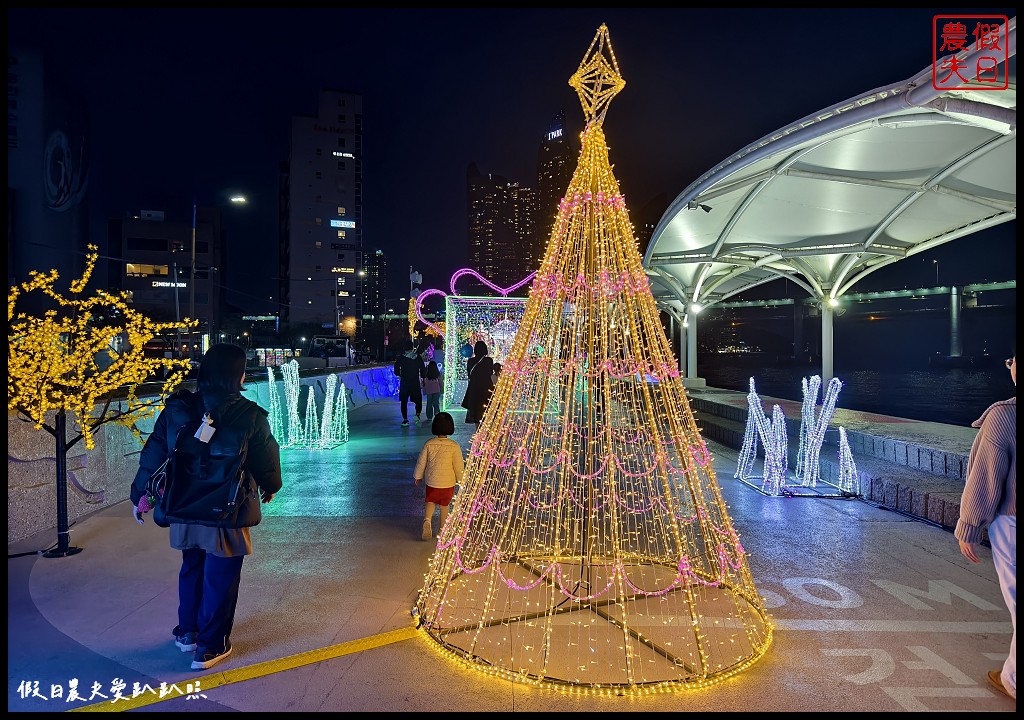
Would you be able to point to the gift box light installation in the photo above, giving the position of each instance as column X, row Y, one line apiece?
column 589, row 547
column 494, row 320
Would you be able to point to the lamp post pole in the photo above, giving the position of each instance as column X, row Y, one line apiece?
column 177, row 312
column 235, row 200
column 192, row 269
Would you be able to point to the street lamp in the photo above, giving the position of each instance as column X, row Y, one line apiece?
column 337, row 307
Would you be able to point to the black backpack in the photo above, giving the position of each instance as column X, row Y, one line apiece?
column 206, row 483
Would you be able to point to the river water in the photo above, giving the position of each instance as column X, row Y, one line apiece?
column 954, row 396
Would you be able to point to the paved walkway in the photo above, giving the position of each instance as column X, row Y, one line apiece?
column 872, row 610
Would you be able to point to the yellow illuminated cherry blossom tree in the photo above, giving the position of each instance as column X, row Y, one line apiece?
column 589, row 546
column 73, row 359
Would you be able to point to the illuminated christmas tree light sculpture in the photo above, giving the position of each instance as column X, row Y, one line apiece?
column 589, row 546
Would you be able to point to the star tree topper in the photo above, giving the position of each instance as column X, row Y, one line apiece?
column 597, row 80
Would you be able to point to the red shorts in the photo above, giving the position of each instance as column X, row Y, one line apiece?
column 440, row 496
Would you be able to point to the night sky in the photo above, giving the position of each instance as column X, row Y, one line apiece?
column 195, row 104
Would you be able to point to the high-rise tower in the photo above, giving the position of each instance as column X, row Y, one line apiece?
column 500, row 227
column 375, row 283
column 556, row 160
column 322, row 216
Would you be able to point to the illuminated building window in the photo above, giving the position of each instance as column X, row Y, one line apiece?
column 144, row 270
column 341, row 233
column 318, row 243
column 341, row 210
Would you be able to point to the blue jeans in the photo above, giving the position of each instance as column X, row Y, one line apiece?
column 1002, row 535
column 207, row 596
column 433, row 405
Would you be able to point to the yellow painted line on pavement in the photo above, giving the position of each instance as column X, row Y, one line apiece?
column 204, row 683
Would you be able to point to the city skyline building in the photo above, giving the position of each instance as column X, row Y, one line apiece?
column 321, row 223
column 500, row 226
column 375, row 284
column 556, row 159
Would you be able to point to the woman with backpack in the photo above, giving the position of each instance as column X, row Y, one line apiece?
column 213, row 544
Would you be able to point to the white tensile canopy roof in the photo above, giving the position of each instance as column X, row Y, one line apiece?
column 841, row 193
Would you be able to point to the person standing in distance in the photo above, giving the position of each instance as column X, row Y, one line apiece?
column 990, row 498
column 211, row 557
column 409, row 370
column 479, row 369
column 433, row 386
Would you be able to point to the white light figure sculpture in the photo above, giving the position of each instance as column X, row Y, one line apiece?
column 317, row 431
column 812, row 430
column 274, row 401
column 748, row 452
column 773, row 438
column 849, row 481
column 292, row 389
column 776, row 455
column 810, row 387
column 334, row 422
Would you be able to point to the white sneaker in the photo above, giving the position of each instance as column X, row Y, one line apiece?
column 418, row 421
column 427, row 530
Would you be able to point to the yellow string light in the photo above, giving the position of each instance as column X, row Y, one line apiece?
column 67, row 361
column 589, row 547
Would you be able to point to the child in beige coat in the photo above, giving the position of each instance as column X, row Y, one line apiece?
column 440, row 465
